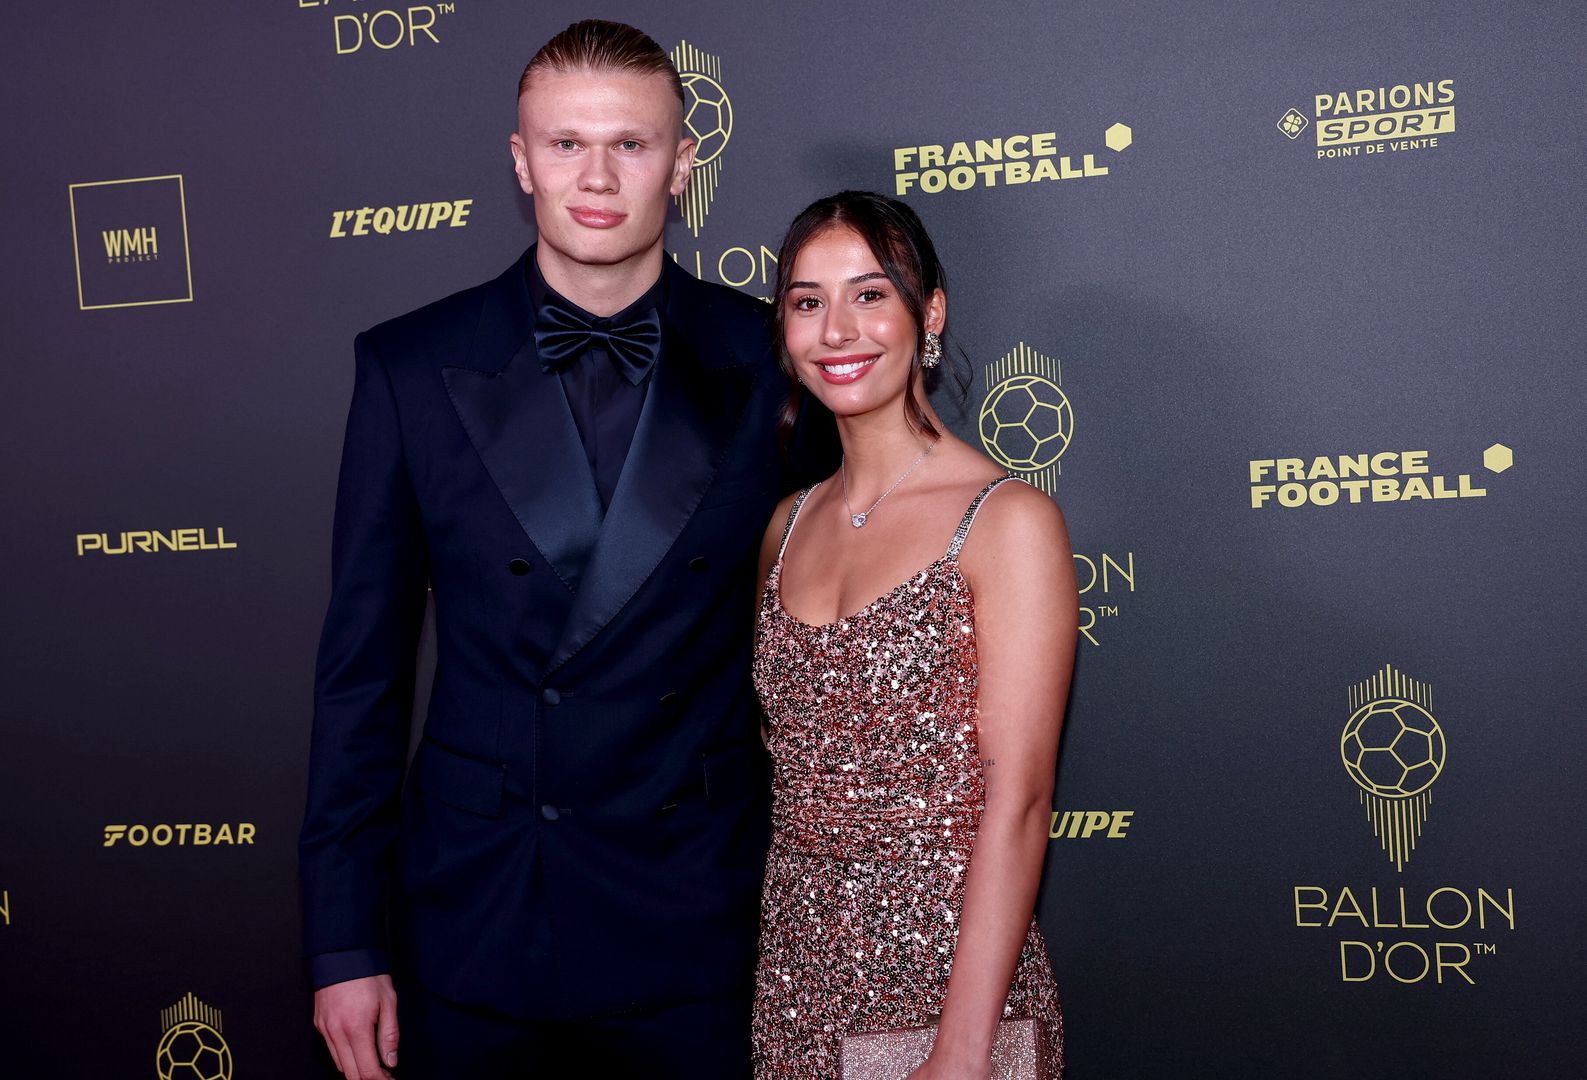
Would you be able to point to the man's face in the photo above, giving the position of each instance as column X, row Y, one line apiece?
column 601, row 152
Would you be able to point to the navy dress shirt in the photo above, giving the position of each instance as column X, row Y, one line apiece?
column 605, row 405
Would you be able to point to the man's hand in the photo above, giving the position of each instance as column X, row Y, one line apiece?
column 358, row 1019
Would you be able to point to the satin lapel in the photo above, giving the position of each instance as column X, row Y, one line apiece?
column 685, row 428
column 519, row 422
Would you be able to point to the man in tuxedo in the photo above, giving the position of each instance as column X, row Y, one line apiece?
column 578, row 460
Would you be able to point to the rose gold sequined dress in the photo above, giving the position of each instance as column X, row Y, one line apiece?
column 878, row 792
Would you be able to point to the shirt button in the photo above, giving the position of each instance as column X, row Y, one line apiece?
column 699, row 564
column 519, row 567
column 550, row 696
column 549, row 812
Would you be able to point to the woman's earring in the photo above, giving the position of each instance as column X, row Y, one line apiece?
column 931, row 355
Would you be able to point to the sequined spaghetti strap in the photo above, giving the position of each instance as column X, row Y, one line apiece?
column 964, row 524
column 793, row 515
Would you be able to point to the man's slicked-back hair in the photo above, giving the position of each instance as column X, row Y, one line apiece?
column 599, row 45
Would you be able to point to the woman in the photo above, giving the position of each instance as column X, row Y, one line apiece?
column 913, row 674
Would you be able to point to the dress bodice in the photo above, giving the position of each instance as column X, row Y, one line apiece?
column 871, row 720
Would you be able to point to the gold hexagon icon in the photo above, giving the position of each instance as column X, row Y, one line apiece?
column 1498, row 458
column 1119, row 136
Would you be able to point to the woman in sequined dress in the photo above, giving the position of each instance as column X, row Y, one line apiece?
column 913, row 672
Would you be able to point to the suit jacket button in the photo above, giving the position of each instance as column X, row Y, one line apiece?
column 699, row 564
column 519, row 567
column 549, row 812
column 550, row 696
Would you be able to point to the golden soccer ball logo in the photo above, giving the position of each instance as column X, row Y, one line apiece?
column 192, row 1047
column 1026, row 422
column 1392, row 748
column 708, row 114
column 708, row 117
column 193, row 1051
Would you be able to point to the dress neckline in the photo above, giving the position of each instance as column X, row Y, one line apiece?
column 949, row 558
column 774, row 585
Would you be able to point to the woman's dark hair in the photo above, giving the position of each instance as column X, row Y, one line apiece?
column 893, row 232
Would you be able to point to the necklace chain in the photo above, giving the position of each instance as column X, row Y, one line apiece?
column 859, row 520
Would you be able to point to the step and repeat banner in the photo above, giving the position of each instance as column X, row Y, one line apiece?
column 1283, row 304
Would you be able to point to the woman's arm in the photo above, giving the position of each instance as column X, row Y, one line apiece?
column 1021, row 573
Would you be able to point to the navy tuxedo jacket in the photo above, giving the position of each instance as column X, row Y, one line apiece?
column 583, row 826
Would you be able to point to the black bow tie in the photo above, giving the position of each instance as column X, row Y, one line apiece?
column 562, row 335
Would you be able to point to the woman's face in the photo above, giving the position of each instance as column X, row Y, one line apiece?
column 848, row 333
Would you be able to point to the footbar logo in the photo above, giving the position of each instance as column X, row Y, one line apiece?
column 185, row 834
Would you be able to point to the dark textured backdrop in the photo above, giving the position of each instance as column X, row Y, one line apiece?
column 1220, row 296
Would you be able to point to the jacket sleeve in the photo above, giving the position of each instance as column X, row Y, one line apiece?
column 363, row 688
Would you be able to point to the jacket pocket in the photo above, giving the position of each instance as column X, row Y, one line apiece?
column 461, row 782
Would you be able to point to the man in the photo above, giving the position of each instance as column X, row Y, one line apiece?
column 578, row 459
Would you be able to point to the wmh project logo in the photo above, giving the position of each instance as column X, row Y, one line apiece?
column 130, row 243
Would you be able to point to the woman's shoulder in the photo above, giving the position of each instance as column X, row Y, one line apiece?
column 1016, row 523
column 771, row 540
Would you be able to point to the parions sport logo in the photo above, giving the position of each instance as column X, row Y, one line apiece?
column 191, row 1046
column 1363, row 121
column 1393, row 749
column 1026, row 423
